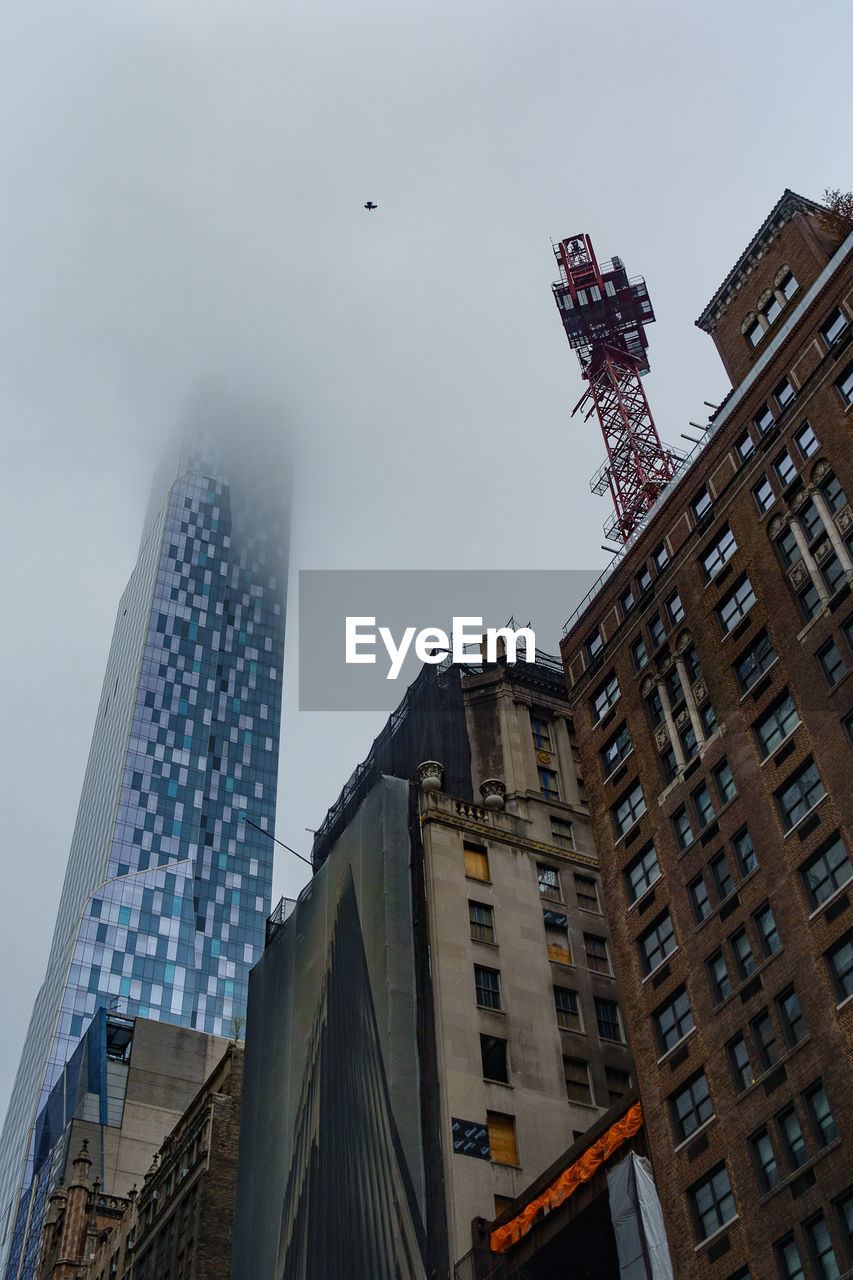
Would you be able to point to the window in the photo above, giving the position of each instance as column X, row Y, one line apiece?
column 788, row 1257
column 820, row 1115
column 794, row 1026
column 833, row 494
column 576, row 1073
column 787, row 547
column 626, row 601
column 821, row 1250
column 557, row 939
column 549, row 882
column 764, row 1160
column 595, row 950
column 784, row 393
column 826, row 871
column 764, row 420
column 689, row 745
column 493, row 1056
column 744, row 959
column 668, row 764
column 657, row 943
column 832, row 573
column 561, row 834
column 701, row 504
column 793, row 1143
column 657, row 635
column 594, row 645
column 775, row 725
column 487, row 983
column 708, row 718
column 833, row 327
column 568, row 1009
column 673, row 686
column 739, row 1063
column 831, row 663
column 808, row 600
column 768, row 934
column 673, row 1021
column 541, row 730
column 606, row 695
column 844, row 1210
column 644, row 579
column 754, row 333
column 744, row 851
column 724, row 782
column 699, row 901
column 744, row 446
column 476, row 861
column 641, row 873
column 718, row 974
column 845, row 385
column 608, row 1020
column 654, row 706
column 754, row 661
column 785, row 468
column 810, row 521
column 736, row 605
column 799, row 794
column 681, row 827
column 763, row 494
column 840, row 961
column 549, row 784
column 807, row 441
column 587, row 894
column 660, row 555
column 702, row 803
column 787, row 286
column 482, row 922
column 639, row 657
column 723, row 880
column 674, row 608
column 771, row 309
column 629, row 810
column 690, row 1107
column 615, row 750
column 764, row 1037
column 719, row 553
column 711, row 1202
column 618, row 1083
column 502, row 1145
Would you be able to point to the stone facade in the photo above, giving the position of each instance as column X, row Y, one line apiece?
column 717, row 655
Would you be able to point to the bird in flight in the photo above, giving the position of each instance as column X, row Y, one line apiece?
column 370, row 206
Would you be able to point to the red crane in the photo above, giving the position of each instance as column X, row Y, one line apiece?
column 604, row 314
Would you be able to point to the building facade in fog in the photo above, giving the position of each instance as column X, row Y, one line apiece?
column 167, row 888
column 437, row 1019
column 710, row 687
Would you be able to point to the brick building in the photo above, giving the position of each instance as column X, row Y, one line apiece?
column 710, row 686
column 178, row 1226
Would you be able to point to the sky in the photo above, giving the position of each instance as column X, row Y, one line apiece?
column 181, row 192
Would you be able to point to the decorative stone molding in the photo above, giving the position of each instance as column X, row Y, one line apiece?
column 748, row 320
column 776, row 526
column 800, row 499
column 662, row 736
column 781, row 274
column 647, row 686
column 684, row 642
column 493, row 791
column 798, row 574
column 820, row 469
column 824, row 550
column 700, row 690
column 682, row 718
column 767, row 296
column 431, row 775
column 844, row 519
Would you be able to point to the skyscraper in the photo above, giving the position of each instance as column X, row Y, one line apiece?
column 167, row 887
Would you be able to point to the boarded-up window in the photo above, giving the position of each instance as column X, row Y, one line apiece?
column 476, row 861
column 557, row 939
column 502, row 1138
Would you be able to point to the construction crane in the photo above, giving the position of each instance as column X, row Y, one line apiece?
column 604, row 315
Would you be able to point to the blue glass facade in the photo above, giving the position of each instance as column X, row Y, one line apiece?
column 167, row 888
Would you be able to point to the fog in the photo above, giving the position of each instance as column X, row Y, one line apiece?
column 182, row 192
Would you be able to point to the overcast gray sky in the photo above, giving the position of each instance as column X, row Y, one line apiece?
column 182, row 190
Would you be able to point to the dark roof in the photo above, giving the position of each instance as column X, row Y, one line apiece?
column 782, row 212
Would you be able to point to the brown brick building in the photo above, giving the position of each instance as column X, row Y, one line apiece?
column 710, row 686
column 178, row 1226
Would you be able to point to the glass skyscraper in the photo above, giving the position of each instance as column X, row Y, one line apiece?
column 167, row 887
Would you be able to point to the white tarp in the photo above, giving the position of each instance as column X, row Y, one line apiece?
column 637, row 1221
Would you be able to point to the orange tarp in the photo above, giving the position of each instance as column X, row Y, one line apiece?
column 503, row 1238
